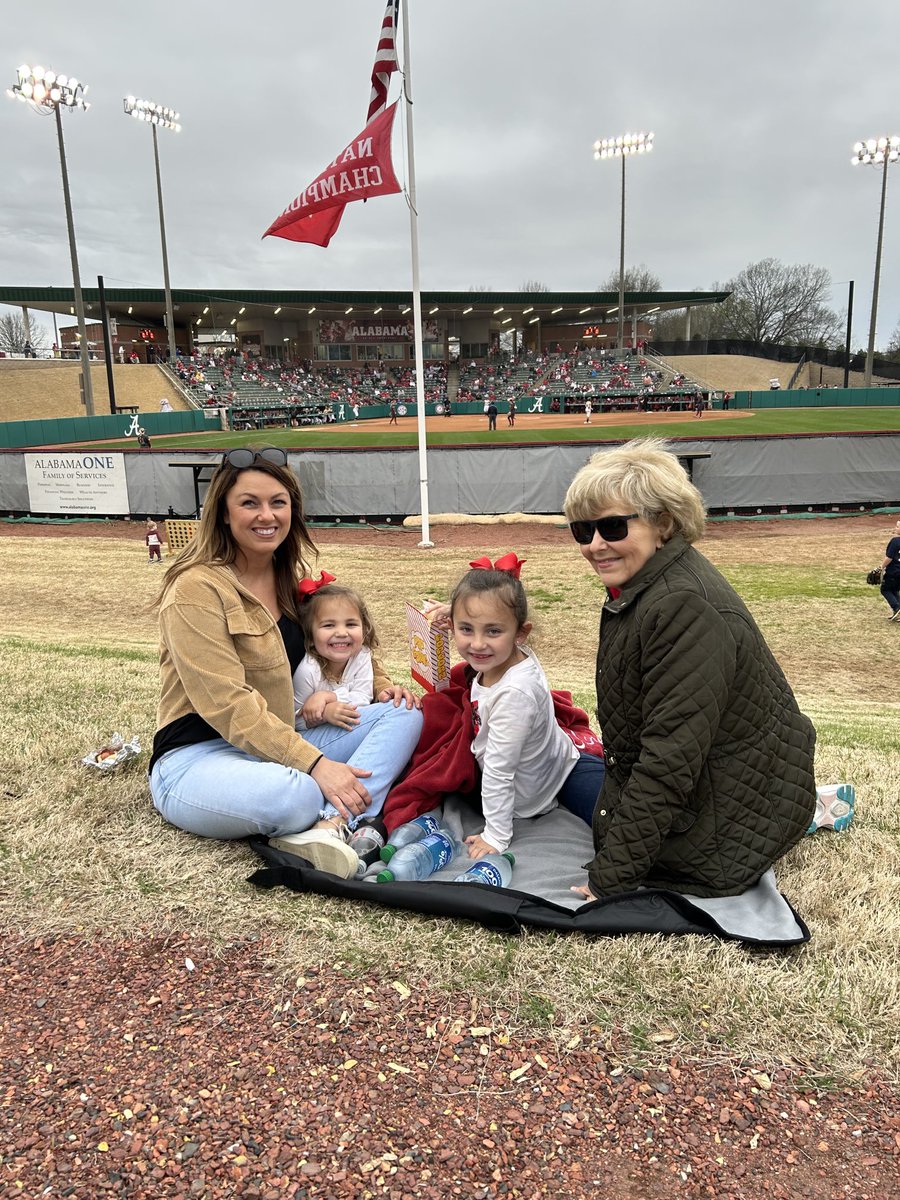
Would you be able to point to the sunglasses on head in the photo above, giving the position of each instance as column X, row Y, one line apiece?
column 245, row 457
column 611, row 529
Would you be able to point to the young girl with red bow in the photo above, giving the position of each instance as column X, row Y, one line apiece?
column 336, row 675
column 527, row 762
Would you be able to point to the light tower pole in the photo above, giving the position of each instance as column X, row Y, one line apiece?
column 876, row 152
column 156, row 114
column 48, row 92
column 622, row 147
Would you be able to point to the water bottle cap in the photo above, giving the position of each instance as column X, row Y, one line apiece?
column 385, row 877
column 511, row 857
column 387, row 852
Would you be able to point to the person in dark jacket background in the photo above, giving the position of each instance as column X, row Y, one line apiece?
column 890, row 578
column 709, row 761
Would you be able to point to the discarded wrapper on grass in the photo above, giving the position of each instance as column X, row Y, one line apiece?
column 113, row 754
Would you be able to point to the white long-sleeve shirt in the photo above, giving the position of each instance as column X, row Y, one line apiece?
column 357, row 685
column 524, row 756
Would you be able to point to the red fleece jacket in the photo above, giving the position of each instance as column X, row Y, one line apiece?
column 443, row 760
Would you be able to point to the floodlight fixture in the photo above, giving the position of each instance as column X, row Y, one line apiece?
column 876, row 152
column 48, row 92
column 155, row 115
column 623, row 146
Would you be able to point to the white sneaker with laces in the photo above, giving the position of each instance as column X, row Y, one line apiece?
column 324, row 847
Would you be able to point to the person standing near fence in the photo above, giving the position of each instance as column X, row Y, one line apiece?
column 890, row 574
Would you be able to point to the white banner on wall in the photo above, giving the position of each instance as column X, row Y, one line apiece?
column 85, row 484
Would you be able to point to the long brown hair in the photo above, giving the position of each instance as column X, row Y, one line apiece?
column 213, row 542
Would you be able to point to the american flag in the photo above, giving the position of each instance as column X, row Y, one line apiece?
column 385, row 60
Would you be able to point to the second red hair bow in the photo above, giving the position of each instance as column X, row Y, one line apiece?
column 308, row 587
column 510, row 563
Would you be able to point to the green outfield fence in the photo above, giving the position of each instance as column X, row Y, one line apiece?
column 873, row 397
column 62, row 430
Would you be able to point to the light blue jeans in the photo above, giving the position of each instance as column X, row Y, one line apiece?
column 215, row 790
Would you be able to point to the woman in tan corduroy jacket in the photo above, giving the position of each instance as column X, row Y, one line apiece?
column 227, row 761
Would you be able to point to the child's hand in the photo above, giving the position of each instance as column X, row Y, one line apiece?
column 478, row 847
column 584, row 891
column 342, row 714
column 399, row 695
column 438, row 614
column 313, row 711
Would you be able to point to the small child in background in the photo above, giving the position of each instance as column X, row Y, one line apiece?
column 153, row 541
column 527, row 762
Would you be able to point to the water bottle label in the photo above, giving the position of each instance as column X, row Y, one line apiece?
column 486, row 873
column 429, row 824
column 440, row 848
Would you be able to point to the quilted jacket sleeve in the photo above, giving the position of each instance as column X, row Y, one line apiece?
column 688, row 656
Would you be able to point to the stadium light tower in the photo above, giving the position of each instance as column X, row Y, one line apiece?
column 876, row 152
column 157, row 114
column 48, row 92
column 622, row 147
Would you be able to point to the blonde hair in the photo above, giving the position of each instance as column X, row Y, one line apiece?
column 645, row 476
column 213, row 543
column 310, row 605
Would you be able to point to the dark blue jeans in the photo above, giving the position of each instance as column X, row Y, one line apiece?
column 580, row 791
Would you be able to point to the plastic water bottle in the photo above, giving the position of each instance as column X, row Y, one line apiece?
column 367, row 841
column 412, row 831
column 495, row 869
column 420, row 859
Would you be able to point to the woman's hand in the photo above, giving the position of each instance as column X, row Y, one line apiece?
column 342, row 714
column 313, row 711
column 584, row 891
column 478, row 847
column 399, row 695
column 342, row 786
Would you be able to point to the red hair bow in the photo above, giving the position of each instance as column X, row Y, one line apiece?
column 308, row 587
column 510, row 563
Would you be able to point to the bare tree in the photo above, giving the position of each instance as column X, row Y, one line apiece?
column 533, row 285
column 481, row 291
column 637, row 279
column 771, row 301
column 893, row 347
column 14, row 334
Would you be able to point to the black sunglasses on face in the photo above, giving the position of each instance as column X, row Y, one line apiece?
column 245, row 457
column 611, row 529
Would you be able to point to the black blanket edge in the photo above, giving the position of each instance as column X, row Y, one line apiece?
column 504, row 910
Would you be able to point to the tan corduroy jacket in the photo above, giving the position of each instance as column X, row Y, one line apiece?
column 221, row 656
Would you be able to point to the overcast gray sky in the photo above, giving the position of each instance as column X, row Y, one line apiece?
column 755, row 108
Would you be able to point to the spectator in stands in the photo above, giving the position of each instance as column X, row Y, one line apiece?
column 227, row 761
column 709, row 760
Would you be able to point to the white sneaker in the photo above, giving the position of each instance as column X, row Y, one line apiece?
column 323, row 848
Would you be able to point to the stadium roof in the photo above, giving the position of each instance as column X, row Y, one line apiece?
column 148, row 304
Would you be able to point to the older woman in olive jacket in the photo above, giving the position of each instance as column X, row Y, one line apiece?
column 709, row 761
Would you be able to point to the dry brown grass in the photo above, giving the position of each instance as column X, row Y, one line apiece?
column 82, row 851
column 48, row 388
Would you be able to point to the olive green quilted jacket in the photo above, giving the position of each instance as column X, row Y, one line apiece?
column 709, row 760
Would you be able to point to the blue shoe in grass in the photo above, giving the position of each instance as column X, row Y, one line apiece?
column 835, row 803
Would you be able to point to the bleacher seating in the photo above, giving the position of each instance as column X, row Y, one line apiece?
column 260, row 392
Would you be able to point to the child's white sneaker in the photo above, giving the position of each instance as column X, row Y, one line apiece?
column 835, row 803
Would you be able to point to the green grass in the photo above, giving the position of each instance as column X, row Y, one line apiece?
column 86, row 853
column 764, row 423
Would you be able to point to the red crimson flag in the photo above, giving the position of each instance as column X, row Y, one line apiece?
column 362, row 169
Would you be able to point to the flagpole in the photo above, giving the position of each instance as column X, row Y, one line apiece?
column 417, row 295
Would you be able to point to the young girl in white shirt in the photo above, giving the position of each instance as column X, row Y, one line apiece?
column 335, row 677
column 527, row 762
